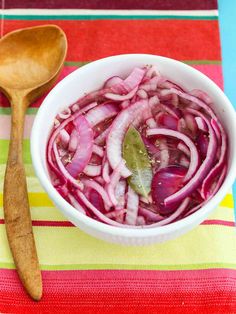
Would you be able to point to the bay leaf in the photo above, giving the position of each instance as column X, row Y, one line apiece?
column 137, row 160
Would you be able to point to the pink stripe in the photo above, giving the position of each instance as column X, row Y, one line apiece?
column 5, row 122
column 191, row 279
column 72, row 282
column 214, row 72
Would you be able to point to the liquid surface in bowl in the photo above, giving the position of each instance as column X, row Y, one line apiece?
column 140, row 152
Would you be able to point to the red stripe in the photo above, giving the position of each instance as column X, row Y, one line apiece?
column 219, row 222
column 109, row 291
column 179, row 39
column 121, row 4
column 49, row 223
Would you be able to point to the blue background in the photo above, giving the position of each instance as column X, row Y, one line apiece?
column 227, row 18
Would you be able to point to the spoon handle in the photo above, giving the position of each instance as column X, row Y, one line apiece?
column 16, row 207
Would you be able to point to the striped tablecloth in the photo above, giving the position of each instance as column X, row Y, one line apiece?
column 196, row 272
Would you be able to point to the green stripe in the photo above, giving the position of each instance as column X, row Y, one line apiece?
column 76, row 63
column 197, row 62
column 4, row 151
column 191, row 62
column 108, row 17
column 7, row 110
column 128, row 266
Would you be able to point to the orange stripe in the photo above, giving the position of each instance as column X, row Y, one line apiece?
column 180, row 39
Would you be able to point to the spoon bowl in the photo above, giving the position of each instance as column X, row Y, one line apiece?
column 30, row 61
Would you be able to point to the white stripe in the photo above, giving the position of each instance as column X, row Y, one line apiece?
column 81, row 12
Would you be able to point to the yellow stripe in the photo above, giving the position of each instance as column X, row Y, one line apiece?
column 65, row 246
column 223, row 213
column 32, row 181
column 43, row 213
column 228, row 201
column 36, row 200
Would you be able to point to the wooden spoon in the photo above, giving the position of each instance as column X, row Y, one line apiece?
column 30, row 61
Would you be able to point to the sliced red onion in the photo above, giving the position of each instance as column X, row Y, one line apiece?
column 166, row 182
column 114, row 179
column 201, row 95
column 98, row 150
column 152, row 71
column 132, row 207
column 120, row 194
column 99, row 215
column 134, row 79
column 168, row 84
column 202, row 144
column 194, row 159
column 205, row 191
column 116, row 84
column 101, row 191
column 202, row 171
column 171, row 110
column 219, row 182
column 73, row 141
column 218, row 130
column 151, row 123
column 89, row 107
column 164, row 154
column 92, row 96
column 182, row 126
column 152, row 84
column 195, row 100
column 153, row 101
column 93, row 170
column 117, row 215
column 117, row 97
column 150, row 215
column 175, row 100
column 172, row 217
column 184, row 148
column 191, row 123
column 52, row 139
column 201, row 124
column 65, row 138
column 106, row 172
column 65, row 114
column 140, row 221
column 101, row 113
column 184, row 161
column 125, row 104
column 76, row 204
column 105, row 164
column 63, row 170
column 194, row 209
column 141, row 93
column 84, row 149
column 117, row 133
column 100, row 180
column 100, row 139
column 167, row 121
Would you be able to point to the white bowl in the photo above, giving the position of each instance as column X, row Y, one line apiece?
column 91, row 77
